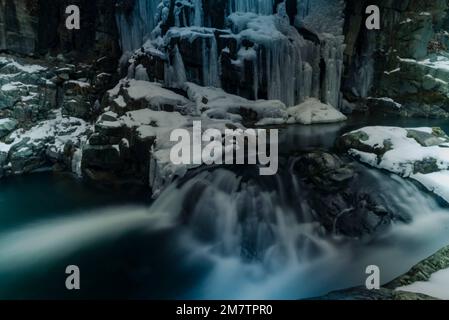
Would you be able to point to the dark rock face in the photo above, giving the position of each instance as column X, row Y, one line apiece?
column 38, row 27
column 339, row 205
column 18, row 25
column 382, row 63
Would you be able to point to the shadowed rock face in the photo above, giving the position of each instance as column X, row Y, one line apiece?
column 411, row 30
column 32, row 27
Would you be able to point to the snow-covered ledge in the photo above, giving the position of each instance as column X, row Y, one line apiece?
column 421, row 154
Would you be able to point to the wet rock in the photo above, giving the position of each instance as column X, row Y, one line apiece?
column 102, row 157
column 340, row 207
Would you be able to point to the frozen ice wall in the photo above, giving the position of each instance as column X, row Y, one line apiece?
column 188, row 13
column 263, row 7
column 259, row 55
column 326, row 18
column 136, row 25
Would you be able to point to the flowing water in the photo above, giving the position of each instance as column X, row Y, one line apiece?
column 218, row 233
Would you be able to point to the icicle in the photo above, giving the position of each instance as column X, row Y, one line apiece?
column 175, row 73
column 198, row 14
column 332, row 54
column 284, row 71
column 263, row 7
column 210, row 62
column 140, row 73
column 131, row 70
column 77, row 162
column 136, row 26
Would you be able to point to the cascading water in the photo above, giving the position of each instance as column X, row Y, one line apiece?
column 239, row 236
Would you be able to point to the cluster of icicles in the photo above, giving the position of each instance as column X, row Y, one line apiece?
column 291, row 68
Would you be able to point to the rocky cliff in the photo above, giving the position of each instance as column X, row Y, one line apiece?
column 37, row 27
column 234, row 63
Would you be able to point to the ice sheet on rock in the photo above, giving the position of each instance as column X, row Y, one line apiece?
column 313, row 111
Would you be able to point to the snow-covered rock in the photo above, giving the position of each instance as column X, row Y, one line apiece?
column 137, row 94
column 26, row 90
column 27, row 150
column 313, row 111
column 421, row 154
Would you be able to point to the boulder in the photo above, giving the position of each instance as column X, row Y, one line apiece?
column 338, row 206
column 7, row 126
column 102, row 157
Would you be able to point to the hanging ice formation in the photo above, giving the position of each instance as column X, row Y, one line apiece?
column 260, row 54
column 135, row 24
column 262, row 7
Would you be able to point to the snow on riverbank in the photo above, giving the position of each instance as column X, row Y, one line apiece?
column 421, row 154
column 436, row 287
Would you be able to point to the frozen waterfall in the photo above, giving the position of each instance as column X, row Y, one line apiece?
column 137, row 25
column 263, row 7
column 259, row 55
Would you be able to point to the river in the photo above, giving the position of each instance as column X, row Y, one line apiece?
column 221, row 233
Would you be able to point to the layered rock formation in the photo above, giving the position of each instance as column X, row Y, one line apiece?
column 37, row 27
column 404, row 61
